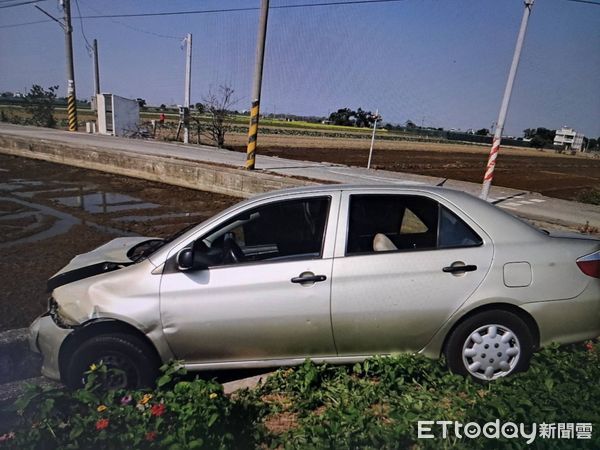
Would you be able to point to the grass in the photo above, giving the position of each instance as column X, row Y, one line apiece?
column 375, row 404
column 591, row 196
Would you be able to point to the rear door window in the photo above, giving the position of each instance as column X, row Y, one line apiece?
column 404, row 223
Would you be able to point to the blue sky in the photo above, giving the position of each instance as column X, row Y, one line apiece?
column 441, row 63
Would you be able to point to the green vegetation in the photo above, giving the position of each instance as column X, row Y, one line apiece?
column 376, row 404
column 591, row 196
column 540, row 137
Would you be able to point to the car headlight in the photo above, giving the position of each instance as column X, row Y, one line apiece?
column 55, row 313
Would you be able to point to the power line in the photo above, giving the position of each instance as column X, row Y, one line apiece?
column 139, row 30
column 22, row 24
column 21, row 4
column 589, row 2
column 212, row 11
column 87, row 43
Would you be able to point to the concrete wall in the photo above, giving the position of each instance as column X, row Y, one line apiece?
column 178, row 172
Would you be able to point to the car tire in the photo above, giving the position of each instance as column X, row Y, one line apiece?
column 489, row 345
column 135, row 360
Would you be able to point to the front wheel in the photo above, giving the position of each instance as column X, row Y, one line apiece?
column 130, row 361
column 490, row 345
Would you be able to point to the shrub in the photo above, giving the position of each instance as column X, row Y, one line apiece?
column 374, row 404
column 40, row 103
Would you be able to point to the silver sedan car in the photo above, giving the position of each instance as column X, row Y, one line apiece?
column 332, row 273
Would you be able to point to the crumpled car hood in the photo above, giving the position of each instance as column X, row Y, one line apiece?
column 107, row 257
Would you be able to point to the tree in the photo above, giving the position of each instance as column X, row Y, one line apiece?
column 163, row 106
column 343, row 116
column 482, row 132
column 410, row 125
column 592, row 144
column 350, row 118
column 40, row 103
column 217, row 105
column 200, row 109
column 540, row 137
column 141, row 102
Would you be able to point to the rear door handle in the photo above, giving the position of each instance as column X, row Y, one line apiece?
column 458, row 269
column 309, row 279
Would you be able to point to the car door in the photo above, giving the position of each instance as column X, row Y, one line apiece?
column 273, row 303
column 404, row 265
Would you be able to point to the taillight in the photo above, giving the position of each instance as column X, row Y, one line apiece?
column 590, row 264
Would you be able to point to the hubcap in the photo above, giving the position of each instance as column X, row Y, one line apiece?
column 491, row 351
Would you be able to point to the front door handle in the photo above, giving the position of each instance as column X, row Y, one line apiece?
column 308, row 279
column 460, row 269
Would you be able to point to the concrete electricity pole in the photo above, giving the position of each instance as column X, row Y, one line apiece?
column 188, row 85
column 258, row 71
column 489, row 173
column 71, row 96
column 373, row 138
column 96, row 68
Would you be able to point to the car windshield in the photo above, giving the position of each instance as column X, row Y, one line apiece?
column 142, row 251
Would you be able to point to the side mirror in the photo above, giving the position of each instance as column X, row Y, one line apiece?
column 188, row 260
column 185, row 259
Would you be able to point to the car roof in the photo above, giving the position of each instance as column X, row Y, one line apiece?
column 494, row 220
column 356, row 187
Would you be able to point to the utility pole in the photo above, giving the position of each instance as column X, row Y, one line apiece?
column 373, row 138
column 96, row 68
column 71, row 96
column 489, row 172
column 258, row 71
column 188, row 85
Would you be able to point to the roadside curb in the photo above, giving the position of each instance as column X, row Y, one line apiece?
column 17, row 361
column 245, row 383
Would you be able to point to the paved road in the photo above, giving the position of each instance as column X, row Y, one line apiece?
column 526, row 204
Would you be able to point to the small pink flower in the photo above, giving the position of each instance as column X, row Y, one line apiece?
column 126, row 400
column 589, row 347
column 7, row 436
column 151, row 436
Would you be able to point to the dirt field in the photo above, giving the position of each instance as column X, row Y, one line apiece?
column 49, row 213
column 546, row 172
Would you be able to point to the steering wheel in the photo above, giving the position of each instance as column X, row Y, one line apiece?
column 231, row 250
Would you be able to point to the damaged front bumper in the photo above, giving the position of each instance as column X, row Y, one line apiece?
column 46, row 338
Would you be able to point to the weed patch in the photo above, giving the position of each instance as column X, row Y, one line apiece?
column 374, row 404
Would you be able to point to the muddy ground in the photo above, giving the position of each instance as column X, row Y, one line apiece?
column 553, row 175
column 50, row 212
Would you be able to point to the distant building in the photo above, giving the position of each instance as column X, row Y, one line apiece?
column 568, row 139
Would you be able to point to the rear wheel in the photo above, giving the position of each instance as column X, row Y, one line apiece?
column 131, row 362
column 490, row 345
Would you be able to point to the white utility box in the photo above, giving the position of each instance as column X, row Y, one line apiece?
column 117, row 116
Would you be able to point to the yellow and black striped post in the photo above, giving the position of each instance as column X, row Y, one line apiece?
column 257, row 84
column 72, row 109
column 71, row 96
column 252, row 136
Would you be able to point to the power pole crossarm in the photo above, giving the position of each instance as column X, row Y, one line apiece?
column 489, row 172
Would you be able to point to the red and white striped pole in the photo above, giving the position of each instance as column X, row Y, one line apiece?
column 491, row 165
